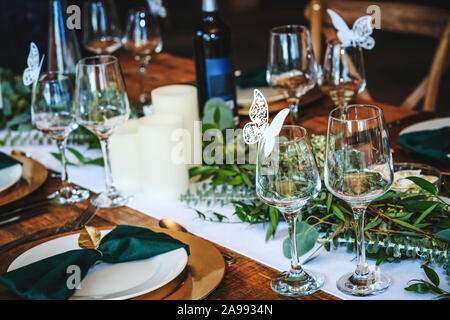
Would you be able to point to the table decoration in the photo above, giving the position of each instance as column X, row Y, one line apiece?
column 47, row 278
column 52, row 113
column 291, row 67
column 163, row 170
column 391, row 227
column 124, row 151
column 101, row 107
column 182, row 100
column 142, row 38
column 101, row 27
column 33, row 176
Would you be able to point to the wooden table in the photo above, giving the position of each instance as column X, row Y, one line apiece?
column 245, row 279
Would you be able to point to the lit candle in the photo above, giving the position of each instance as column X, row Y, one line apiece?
column 182, row 100
column 124, row 154
column 164, row 176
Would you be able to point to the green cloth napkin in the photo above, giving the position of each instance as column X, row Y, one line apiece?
column 432, row 143
column 252, row 78
column 6, row 161
column 46, row 279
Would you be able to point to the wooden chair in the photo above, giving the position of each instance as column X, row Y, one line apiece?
column 398, row 17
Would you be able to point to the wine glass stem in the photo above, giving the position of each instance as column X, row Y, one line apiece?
column 296, row 269
column 361, row 268
column 61, row 143
column 107, row 162
column 294, row 109
column 142, row 68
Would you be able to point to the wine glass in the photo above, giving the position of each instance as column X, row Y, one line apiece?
column 342, row 75
column 102, row 106
column 52, row 112
column 142, row 38
column 287, row 179
column 359, row 169
column 291, row 68
column 101, row 27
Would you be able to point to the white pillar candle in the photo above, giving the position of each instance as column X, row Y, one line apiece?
column 182, row 100
column 163, row 176
column 124, row 153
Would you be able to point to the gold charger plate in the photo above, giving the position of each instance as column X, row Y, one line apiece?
column 204, row 271
column 312, row 96
column 34, row 175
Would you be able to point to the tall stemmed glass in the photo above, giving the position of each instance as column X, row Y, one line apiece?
column 142, row 38
column 102, row 106
column 291, row 68
column 101, row 27
column 359, row 169
column 342, row 74
column 287, row 180
column 52, row 112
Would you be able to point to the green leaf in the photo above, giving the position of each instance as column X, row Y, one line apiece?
column 97, row 162
column 424, row 214
column 424, row 184
column 77, row 154
column 444, row 224
column 218, row 113
column 306, row 239
column 329, row 201
column 407, row 225
column 419, row 287
column 338, row 212
column 443, row 235
column 431, row 274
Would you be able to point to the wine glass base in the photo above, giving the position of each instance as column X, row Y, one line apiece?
column 372, row 284
column 67, row 195
column 306, row 284
column 110, row 199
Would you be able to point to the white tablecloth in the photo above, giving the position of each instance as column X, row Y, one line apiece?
column 248, row 240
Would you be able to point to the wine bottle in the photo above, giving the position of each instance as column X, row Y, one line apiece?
column 63, row 48
column 213, row 59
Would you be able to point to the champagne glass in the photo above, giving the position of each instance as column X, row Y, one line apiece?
column 102, row 106
column 359, row 169
column 342, row 75
column 142, row 38
column 291, row 68
column 101, row 27
column 287, row 180
column 52, row 112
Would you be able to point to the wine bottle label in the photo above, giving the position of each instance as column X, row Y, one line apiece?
column 219, row 79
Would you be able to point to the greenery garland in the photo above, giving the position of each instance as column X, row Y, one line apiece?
column 397, row 225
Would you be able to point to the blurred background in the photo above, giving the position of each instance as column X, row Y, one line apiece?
column 393, row 68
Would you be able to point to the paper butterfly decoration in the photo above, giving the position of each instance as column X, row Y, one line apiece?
column 258, row 130
column 358, row 35
column 31, row 73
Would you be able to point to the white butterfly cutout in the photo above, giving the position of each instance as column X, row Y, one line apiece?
column 258, row 130
column 31, row 73
column 358, row 35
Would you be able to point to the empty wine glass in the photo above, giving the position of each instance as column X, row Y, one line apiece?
column 342, row 74
column 142, row 38
column 287, row 179
column 52, row 112
column 291, row 68
column 101, row 27
column 102, row 106
column 359, row 169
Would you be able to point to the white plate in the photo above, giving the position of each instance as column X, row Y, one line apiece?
column 9, row 176
column 427, row 125
column 245, row 96
column 112, row 281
